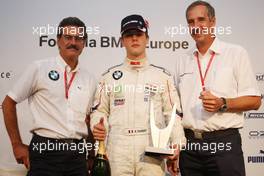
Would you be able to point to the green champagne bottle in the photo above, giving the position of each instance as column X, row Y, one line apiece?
column 101, row 165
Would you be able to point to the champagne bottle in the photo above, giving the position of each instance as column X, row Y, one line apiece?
column 101, row 165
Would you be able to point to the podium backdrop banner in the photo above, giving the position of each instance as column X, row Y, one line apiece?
column 28, row 33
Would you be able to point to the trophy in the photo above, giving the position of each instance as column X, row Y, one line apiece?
column 160, row 137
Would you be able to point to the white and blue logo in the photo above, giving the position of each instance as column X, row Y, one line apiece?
column 54, row 75
column 117, row 75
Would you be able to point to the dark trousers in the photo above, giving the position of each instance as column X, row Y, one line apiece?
column 218, row 156
column 60, row 157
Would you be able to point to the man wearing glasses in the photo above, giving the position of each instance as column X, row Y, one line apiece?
column 59, row 93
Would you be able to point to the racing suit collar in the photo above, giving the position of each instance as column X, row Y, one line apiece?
column 136, row 64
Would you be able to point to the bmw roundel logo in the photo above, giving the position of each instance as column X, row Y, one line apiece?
column 117, row 74
column 54, row 75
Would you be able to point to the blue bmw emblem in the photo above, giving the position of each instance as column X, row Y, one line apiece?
column 117, row 74
column 54, row 75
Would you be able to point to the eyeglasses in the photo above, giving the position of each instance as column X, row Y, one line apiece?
column 68, row 38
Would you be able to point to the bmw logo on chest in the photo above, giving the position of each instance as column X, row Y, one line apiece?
column 54, row 75
column 117, row 74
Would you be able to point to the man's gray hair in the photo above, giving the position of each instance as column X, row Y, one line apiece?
column 210, row 9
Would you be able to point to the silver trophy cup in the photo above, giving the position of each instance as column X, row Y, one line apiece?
column 160, row 137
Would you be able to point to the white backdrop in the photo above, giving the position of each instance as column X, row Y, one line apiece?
column 20, row 45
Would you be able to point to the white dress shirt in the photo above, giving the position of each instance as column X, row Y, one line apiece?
column 230, row 75
column 55, row 116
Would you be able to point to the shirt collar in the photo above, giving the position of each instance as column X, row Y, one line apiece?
column 136, row 64
column 215, row 47
column 64, row 66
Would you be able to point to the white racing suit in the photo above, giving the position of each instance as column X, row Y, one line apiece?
column 123, row 100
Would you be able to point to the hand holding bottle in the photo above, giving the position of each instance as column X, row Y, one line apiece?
column 101, row 165
column 99, row 131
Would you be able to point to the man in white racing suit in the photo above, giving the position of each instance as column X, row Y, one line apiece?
column 123, row 99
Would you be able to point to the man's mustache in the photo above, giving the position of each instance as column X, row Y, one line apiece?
column 73, row 47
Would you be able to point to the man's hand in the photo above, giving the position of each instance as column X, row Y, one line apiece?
column 99, row 131
column 210, row 102
column 21, row 154
column 173, row 163
column 20, row 150
column 173, row 167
